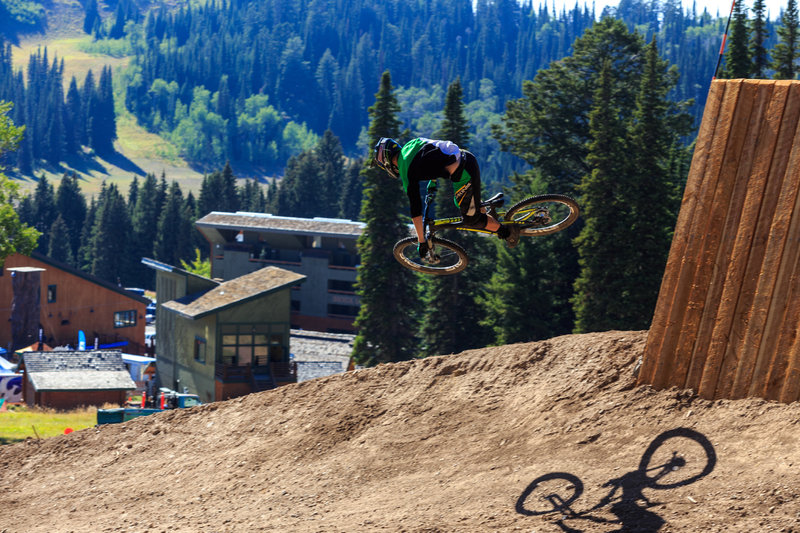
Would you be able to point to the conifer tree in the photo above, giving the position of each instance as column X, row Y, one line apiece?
column 330, row 173
column 173, row 241
column 44, row 210
column 600, row 288
column 785, row 53
column 71, row 206
column 759, row 33
column 58, row 247
column 350, row 199
column 738, row 61
column 452, row 316
column 86, row 250
column 110, row 241
column 385, row 319
column 92, row 15
column 145, row 226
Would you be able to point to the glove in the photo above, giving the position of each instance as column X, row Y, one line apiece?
column 423, row 249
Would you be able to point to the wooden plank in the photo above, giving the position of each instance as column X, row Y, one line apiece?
column 772, row 358
column 694, row 235
column 790, row 392
column 784, row 372
column 731, row 192
column 728, row 335
column 665, row 303
column 742, row 241
column 763, row 261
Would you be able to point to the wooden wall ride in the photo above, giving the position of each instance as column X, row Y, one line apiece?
column 726, row 320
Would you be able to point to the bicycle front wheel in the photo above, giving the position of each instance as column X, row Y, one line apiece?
column 445, row 257
column 677, row 457
column 543, row 214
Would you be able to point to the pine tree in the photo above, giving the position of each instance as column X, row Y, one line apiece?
column 71, row 206
column 785, row 53
column 738, row 61
column 385, row 319
column 350, row 199
column 44, row 211
column 110, row 241
column 92, row 15
column 144, row 221
column 600, row 289
column 173, row 241
column 452, row 316
column 86, row 250
column 759, row 33
column 330, row 173
column 58, row 247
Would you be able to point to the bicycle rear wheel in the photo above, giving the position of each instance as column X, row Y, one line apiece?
column 445, row 257
column 543, row 214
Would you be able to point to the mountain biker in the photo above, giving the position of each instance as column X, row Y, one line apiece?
column 423, row 159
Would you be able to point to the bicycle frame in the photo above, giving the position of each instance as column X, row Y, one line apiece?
column 431, row 225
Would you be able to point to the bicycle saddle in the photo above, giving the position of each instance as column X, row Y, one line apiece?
column 495, row 201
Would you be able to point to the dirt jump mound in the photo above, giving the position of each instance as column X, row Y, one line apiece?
column 548, row 436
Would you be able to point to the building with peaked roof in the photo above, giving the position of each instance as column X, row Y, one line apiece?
column 321, row 249
column 62, row 301
column 66, row 379
column 318, row 354
column 223, row 339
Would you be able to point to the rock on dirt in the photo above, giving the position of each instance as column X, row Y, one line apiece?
column 547, row 436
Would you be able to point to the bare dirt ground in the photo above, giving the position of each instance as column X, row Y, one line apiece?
column 452, row 443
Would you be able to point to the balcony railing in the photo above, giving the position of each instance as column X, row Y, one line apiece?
column 280, row 372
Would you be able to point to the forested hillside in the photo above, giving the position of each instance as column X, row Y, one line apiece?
column 258, row 82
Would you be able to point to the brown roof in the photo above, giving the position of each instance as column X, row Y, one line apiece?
column 233, row 292
column 242, row 220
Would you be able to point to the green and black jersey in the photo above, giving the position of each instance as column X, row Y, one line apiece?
column 423, row 159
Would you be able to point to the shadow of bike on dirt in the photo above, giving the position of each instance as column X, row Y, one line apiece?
column 673, row 459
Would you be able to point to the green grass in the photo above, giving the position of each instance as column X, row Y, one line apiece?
column 21, row 422
column 139, row 151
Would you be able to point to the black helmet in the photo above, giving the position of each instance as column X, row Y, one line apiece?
column 384, row 154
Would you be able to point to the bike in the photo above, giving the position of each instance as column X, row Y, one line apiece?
column 544, row 214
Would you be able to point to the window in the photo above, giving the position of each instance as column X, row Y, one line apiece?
column 253, row 344
column 124, row 319
column 342, row 310
column 340, row 285
column 199, row 349
column 51, row 294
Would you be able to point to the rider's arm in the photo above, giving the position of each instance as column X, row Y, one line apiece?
column 418, row 226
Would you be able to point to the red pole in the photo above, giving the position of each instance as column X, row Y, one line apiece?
column 724, row 38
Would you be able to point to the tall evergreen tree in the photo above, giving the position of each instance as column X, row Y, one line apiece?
column 785, row 53
column 759, row 33
column 110, row 241
column 71, row 206
column 600, row 288
column 91, row 16
column 350, row 199
column 388, row 301
column 145, row 226
column 44, row 211
column 58, row 248
column 738, row 61
column 173, row 241
column 452, row 317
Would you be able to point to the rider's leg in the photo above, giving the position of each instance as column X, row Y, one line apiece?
column 467, row 196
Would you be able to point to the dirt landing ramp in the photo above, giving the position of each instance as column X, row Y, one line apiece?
column 459, row 443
